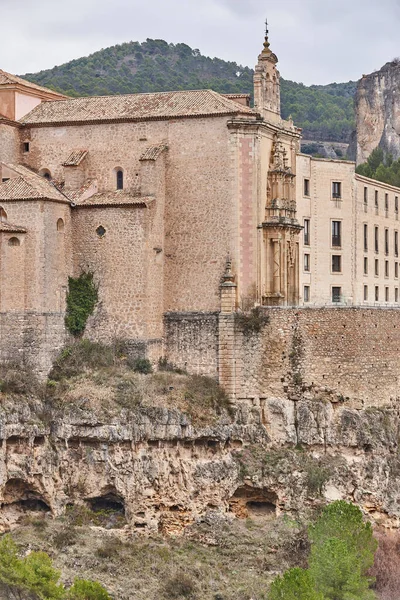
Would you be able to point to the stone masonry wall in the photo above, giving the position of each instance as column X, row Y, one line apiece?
column 9, row 143
column 32, row 339
column 191, row 342
column 347, row 355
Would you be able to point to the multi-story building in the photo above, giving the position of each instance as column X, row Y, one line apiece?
column 186, row 207
column 350, row 242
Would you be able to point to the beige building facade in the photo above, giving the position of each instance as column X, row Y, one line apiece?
column 186, row 207
column 350, row 241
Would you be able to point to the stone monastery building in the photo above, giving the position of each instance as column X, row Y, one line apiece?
column 185, row 206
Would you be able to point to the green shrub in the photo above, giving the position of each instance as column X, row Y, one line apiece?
column 30, row 577
column 84, row 589
column 142, row 365
column 295, row 584
column 338, row 573
column 251, row 322
column 82, row 355
column 82, row 298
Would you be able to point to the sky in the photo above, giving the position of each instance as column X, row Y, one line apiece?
column 317, row 41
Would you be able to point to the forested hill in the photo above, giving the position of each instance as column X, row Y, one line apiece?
column 324, row 112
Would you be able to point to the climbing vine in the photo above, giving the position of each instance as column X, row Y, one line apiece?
column 82, row 298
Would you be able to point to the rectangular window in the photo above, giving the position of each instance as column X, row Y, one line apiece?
column 376, row 198
column 396, row 294
column 336, row 189
column 336, row 234
column 386, row 268
column 386, row 241
column 386, row 202
column 376, row 293
column 396, row 270
column 396, row 204
column 336, row 294
column 376, row 267
column 365, row 237
column 336, row 264
column 306, row 232
column 396, row 243
column 386, row 294
column 306, row 293
column 376, row 240
column 365, row 195
column 306, row 187
column 25, row 146
column 307, row 263
column 365, row 265
column 365, row 293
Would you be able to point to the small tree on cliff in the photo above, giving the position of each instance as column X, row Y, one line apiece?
column 342, row 552
column 295, row 584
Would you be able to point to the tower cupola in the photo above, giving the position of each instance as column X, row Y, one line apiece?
column 267, row 93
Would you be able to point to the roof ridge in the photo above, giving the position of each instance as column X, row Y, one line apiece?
column 10, row 78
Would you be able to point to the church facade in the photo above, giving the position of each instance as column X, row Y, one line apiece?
column 186, row 206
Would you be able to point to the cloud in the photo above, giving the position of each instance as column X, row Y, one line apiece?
column 316, row 42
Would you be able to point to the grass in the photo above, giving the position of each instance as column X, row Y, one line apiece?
column 109, row 381
column 213, row 558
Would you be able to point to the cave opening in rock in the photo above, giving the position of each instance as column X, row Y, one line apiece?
column 20, row 497
column 249, row 502
column 261, row 508
column 108, row 510
column 109, row 502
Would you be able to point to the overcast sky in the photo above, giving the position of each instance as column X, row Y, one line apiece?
column 317, row 41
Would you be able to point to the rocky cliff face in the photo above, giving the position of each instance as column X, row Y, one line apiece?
column 378, row 113
column 156, row 472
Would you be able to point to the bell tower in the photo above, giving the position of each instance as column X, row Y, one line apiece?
column 267, row 92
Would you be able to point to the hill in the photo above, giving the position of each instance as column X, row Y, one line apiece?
column 324, row 112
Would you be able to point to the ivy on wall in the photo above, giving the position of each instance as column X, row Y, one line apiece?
column 82, row 298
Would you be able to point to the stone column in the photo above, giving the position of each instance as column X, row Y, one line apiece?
column 226, row 342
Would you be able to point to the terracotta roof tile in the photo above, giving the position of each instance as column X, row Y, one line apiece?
column 9, row 79
column 9, row 228
column 153, row 152
column 116, row 198
column 135, row 107
column 28, row 186
column 75, row 158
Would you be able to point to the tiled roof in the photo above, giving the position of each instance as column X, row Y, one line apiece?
column 8, row 79
column 75, row 158
column 29, row 186
column 153, row 152
column 117, row 198
column 135, row 107
column 8, row 228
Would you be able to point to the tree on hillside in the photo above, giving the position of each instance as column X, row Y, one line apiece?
column 342, row 552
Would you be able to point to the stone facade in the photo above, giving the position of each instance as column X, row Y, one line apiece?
column 350, row 242
column 188, row 208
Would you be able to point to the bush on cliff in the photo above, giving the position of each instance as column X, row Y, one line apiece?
column 295, row 584
column 33, row 577
column 342, row 552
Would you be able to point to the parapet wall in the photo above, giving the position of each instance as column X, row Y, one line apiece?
column 337, row 354
column 32, row 339
column 191, row 342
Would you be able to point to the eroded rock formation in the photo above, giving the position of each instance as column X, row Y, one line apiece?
column 156, row 472
column 378, row 113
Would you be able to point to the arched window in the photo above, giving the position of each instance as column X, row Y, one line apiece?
column 120, row 179
column 60, row 225
column 14, row 241
column 3, row 214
